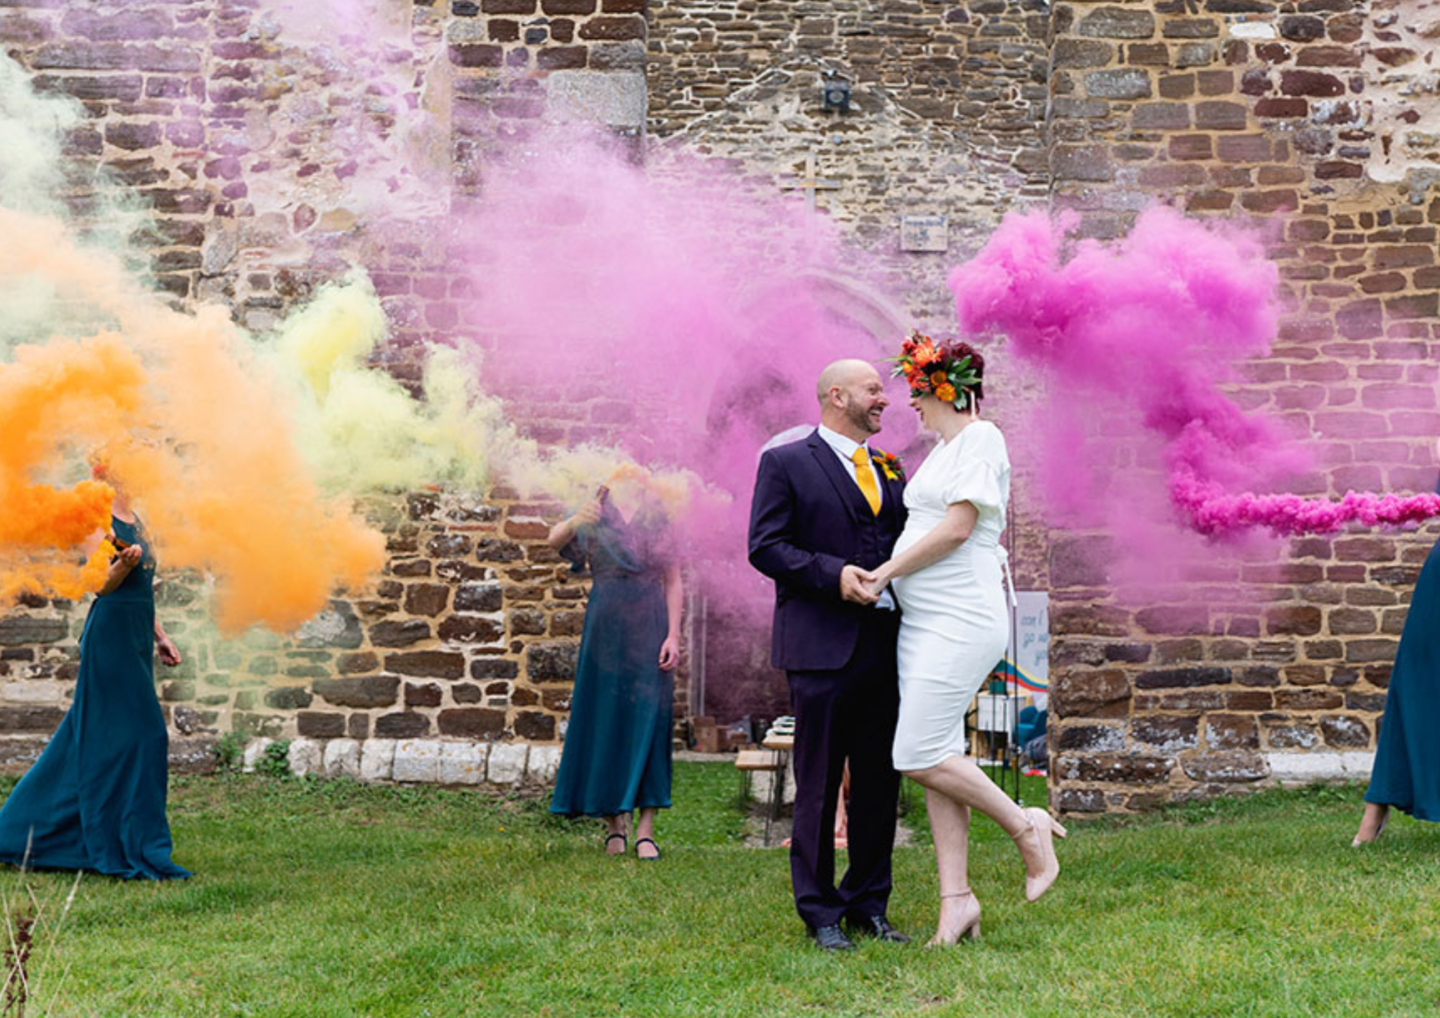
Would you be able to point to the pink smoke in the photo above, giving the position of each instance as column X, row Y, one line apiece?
column 1144, row 330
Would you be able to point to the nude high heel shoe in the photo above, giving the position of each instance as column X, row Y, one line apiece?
column 1045, row 828
column 1374, row 837
column 968, row 926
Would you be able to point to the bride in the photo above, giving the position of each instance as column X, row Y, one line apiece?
column 949, row 572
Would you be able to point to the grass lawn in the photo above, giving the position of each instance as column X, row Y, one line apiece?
column 330, row 898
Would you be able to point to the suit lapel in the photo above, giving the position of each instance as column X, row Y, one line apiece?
column 845, row 486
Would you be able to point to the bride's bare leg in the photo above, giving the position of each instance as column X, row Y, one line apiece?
column 1372, row 823
column 950, row 828
column 961, row 780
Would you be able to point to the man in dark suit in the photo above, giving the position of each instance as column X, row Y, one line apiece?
column 825, row 513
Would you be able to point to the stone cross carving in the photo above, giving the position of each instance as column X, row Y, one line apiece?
column 810, row 183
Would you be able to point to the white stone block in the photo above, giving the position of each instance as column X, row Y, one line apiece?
column 416, row 760
column 543, row 763
column 1252, row 30
column 33, row 692
column 342, row 758
column 306, row 756
column 613, row 98
column 507, row 763
column 254, row 750
column 1298, row 768
column 377, row 758
column 462, row 763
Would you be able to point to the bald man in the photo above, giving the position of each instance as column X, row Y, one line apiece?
column 823, row 516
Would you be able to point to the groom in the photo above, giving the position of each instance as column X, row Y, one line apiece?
column 825, row 513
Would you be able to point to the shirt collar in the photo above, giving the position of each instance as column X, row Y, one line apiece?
column 844, row 446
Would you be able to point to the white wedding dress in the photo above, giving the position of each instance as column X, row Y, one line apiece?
column 955, row 621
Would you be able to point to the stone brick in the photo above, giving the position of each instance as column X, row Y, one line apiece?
column 1302, row 28
column 1311, row 83
column 1174, row 620
column 21, row 629
column 1293, row 620
column 318, row 725
column 611, row 28
column 1226, row 766
column 1220, row 116
column 1162, row 116
column 365, row 691
column 428, row 694
column 1112, row 22
column 1231, row 731
column 1118, row 83
column 477, row 55
column 402, row 725
column 1363, row 651
column 479, row 597
column 430, row 664
column 551, row 661
column 1344, row 732
column 288, row 697
column 1129, row 769
column 1166, row 733
column 1190, row 28
column 1082, row 53
column 115, row 56
column 399, row 634
column 1277, row 108
column 1173, row 677
column 572, row 7
column 1094, row 738
column 473, row 629
column 534, row 726
column 494, row 668
column 32, row 718
column 1191, row 146
column 426, row 598
column 352, row 664
column 472, row 723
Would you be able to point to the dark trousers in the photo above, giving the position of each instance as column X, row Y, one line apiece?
column 846, row 714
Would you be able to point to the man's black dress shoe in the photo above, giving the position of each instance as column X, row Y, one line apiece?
column 831, row 938
column 879, row 927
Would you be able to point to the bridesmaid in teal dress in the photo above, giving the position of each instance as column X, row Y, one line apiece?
column 617, row 746
column 95, row 800
column 1406, row 774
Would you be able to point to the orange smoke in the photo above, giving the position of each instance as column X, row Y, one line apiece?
column 204, row 445
column 50, row 397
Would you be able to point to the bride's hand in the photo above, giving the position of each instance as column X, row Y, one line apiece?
column 878, row 581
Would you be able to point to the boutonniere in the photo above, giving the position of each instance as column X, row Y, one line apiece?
column 889, row 464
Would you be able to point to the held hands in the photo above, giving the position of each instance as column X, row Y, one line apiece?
column 169, row 653
column 879, row 580
column 669, row 653
column 855, row 584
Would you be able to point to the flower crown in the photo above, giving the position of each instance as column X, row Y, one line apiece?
column 947, row 371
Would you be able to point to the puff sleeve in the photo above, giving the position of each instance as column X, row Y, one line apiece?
column 975, row 473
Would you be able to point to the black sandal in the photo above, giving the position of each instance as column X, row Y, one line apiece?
column 624, row 842
column 647, row 858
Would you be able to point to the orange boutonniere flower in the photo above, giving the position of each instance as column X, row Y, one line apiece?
column 889, row 463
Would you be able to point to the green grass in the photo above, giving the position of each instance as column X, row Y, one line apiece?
column 329, row 898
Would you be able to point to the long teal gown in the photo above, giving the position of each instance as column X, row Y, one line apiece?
column 1407, row 760
column 95, row 800
column 617, row 745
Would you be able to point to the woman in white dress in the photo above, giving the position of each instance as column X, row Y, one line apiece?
column 950, row 574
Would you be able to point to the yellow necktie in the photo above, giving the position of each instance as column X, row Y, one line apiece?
column 865, row 477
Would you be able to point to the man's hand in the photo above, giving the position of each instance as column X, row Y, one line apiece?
column 854, row 585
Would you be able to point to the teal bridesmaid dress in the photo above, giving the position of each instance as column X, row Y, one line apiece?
column 617, row 744
column 1407, row 760
column 95, row 800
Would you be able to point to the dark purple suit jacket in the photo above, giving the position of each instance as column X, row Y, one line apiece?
column 807, row 522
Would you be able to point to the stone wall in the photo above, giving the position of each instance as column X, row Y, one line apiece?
column 1316, row 119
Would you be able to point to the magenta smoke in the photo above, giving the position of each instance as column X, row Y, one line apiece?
column 1144, row 331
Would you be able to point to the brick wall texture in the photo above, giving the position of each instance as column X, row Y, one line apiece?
column 1317, row 118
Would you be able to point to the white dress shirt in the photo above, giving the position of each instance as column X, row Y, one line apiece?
column 845, row 449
